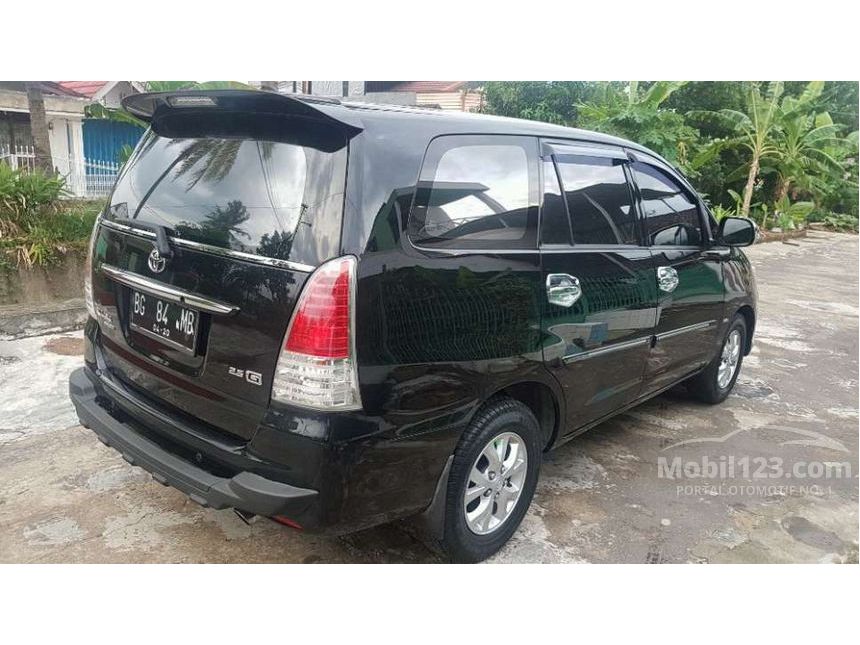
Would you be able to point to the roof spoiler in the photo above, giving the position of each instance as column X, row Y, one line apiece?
column 152, row 105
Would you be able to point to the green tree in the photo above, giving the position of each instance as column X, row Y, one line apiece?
column 841, row 99
column 807, row 145
column 711, row 96
column 636, row 114
column 753, row 129
column 550, row 101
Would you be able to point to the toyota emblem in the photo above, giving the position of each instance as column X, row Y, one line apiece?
column 156, row 262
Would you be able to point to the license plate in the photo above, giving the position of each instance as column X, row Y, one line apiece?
column 167, row 321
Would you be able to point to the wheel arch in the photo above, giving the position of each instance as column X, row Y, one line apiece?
column 545, row 402
column 748, row 314
column 542, row 400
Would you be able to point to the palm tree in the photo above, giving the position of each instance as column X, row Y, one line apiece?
column 221, row 225
column 39, row 127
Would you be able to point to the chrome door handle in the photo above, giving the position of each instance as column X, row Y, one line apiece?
column 562, row 289
column 667, row 279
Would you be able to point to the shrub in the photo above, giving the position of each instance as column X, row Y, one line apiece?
column 792, row 215
column 841, row 222
column 720, row 213
column 36, row 225
column 24, row 196
column 55, row 232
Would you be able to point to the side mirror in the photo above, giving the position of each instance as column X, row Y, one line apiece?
column 736, row 231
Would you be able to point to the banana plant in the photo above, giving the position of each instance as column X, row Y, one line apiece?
column 755, row 130
column 790, row 214
column 807, row 144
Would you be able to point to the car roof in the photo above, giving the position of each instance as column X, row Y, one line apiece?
column 355, row 116
column 454, row 122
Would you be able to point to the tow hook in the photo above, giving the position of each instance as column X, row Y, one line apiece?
column 246, row 517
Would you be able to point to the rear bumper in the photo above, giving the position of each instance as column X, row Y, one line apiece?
column 246, row 491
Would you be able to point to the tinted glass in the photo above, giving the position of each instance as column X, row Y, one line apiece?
column 264, row 196
column 672, row 218
column 554, row 226
column 474, row 196
column 598, row 198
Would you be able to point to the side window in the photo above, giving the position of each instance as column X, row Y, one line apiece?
column 599, row 200
column 477, row 192
column 671, row 217
column 554, row 226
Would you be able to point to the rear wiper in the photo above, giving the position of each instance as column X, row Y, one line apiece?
column 162, row 241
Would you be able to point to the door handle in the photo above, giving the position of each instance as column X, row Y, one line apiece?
column 667, row 279
column 562, row 289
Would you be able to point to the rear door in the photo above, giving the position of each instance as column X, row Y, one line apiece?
column 689, row 277
column 251, row 204
column 600, row 300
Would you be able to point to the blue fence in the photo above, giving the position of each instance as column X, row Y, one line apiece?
column 103, row 139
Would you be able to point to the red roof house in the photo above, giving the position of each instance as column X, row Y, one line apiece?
column 108, row 93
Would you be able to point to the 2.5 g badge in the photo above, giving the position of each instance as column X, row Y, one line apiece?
column 254, row 378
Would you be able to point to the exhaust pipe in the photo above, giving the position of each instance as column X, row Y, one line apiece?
column 245, row 516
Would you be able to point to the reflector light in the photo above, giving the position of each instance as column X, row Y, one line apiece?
column 88, row 272
column 286, row 521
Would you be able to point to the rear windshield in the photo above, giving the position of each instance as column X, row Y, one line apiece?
column 266, row 185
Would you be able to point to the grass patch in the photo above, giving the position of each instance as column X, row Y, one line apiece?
column 38, row 225
column 55, row 230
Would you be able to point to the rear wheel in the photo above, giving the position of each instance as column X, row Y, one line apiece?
column 714, row 383
column 492, row 480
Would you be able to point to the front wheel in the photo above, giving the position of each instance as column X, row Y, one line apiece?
column 714, row 383
column 492, row 480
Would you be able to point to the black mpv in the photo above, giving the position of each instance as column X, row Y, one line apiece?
column 337, row 315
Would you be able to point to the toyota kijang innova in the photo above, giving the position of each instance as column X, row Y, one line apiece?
column 338, row 315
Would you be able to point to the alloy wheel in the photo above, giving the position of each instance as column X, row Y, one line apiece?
column 729, row 359
column 495, row 483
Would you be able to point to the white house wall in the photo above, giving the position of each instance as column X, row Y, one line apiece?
column 460, row 100
column 114, row 95
column 65, row 133
column 66, row 136
column 324, row 88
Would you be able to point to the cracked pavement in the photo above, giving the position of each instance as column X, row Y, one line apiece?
column 64, row 497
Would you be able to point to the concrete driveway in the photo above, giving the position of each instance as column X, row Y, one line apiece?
column 768, row 476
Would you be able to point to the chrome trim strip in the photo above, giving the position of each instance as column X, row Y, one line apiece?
column 213, row 250
column 127, row 229
column 684, row 330
column 168, row 292
column 598, row 351
column 463, row 251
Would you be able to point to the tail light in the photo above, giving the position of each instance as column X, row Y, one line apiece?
column 88, row 271
column 316, row 368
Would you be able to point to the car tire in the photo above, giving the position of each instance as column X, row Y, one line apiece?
column 710, row 386
column 506, row 430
